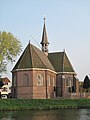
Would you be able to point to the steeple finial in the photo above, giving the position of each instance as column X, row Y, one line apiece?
column 44, row 18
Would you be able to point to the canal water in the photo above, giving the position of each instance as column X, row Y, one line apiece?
column 62, row 114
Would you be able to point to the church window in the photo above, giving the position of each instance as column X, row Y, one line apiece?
column 25, row 80
column 49, row 80
column 68, row 82
column 40, row 80
column 53, row 81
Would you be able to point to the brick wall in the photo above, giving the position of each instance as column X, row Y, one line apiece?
column 66, row 84
column 33, row 90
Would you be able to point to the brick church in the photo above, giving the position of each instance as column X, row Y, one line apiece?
column 39, row 74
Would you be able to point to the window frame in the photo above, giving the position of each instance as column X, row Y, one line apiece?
column 25, row 80
column 40, row 79
column 53, row 81
column 49, row 80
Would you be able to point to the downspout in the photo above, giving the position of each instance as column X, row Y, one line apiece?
column 46, row 83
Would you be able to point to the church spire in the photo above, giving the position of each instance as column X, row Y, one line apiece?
column 44, row 41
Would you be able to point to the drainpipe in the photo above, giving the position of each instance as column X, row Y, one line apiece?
column 46, row 84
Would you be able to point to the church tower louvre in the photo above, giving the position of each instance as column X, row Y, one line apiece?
column 44, row 41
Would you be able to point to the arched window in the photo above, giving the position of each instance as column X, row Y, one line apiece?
column 40, row 80
column 49, row 80
column 53, row 81
column 68, row 82
column 25, row 80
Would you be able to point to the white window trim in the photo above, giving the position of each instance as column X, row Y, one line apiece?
column 40, row 79
column 53, row 81
column 49, row 80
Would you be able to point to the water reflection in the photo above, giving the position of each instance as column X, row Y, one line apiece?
column 62, row 114
column 84, row 114
column 5, row 115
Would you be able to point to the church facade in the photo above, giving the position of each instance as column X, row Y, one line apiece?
column 39, row 74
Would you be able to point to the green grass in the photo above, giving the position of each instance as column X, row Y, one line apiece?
column 40, row 104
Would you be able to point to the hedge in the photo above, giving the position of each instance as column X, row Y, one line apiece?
column 40, row 104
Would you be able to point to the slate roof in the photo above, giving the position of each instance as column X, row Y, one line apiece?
column 60, row 62
column 32, row 57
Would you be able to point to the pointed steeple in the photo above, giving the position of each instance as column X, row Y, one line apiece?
column 44, row 41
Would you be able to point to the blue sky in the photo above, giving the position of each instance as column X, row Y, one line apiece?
column 67, row 22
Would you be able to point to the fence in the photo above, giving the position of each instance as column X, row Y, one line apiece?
column 78, row 95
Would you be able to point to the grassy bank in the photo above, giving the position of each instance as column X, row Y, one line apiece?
column 39, row 104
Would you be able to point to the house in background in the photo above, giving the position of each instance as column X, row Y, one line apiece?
column 6, row 81
column 39, row 74
column 5, row 90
